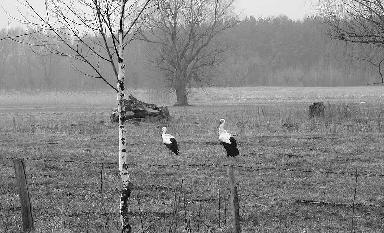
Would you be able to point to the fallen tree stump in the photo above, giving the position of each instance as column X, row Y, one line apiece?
column 137, row 110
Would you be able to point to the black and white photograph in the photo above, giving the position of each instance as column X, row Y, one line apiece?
column 191, row 116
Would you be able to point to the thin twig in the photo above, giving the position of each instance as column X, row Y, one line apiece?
column 175, row 217
column 101, row 177
column 354, row 201
column 225, row 210
column 219, row 206
column 199, row 218
column 140, row 215
column 185, row 210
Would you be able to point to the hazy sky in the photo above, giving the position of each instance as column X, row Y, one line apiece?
column 295, row 9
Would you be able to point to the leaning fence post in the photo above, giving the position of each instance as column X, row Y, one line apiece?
column 234, row 197
column 26, row 207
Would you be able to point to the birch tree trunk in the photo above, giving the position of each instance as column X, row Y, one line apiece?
column 123, row 167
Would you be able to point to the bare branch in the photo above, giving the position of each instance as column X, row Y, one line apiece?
column 101, row 30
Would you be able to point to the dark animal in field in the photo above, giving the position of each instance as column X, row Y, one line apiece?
column 170, row 141
column 227, row 140
column 316, row 110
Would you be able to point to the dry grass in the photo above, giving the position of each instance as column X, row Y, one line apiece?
column 294, row 174
column 36, row 100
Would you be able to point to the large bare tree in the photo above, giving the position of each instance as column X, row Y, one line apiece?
column 184, row 32
column 94, row 33
column 358, row 22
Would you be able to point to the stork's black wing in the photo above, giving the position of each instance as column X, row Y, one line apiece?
column 173, row 146
column 231, row 148
column 233, row 141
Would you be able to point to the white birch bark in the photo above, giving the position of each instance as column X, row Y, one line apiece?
column 123, row 167
column 76, row 21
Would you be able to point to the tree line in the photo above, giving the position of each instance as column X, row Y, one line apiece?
column 275, row 51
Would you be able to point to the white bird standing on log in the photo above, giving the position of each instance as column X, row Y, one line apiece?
column 170, row 141
column 227, row 140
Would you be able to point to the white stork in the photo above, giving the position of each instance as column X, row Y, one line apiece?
column 170, row 141
column 227, row 140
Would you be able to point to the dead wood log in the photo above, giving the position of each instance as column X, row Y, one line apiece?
column 136, row 110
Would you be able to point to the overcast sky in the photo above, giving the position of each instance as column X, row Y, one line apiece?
column 295, row 9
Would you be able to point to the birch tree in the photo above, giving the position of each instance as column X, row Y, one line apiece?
column 184, row 31
column 63, row 30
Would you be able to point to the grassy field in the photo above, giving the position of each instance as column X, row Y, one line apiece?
column 294, row 174
column 207, row 96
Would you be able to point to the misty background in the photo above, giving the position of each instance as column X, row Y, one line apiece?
column 264, row 51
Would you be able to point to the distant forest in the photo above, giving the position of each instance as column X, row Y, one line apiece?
column 261, row 52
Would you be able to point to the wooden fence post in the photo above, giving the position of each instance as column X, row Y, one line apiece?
column 234, row 198
column 26, row 207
